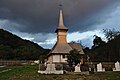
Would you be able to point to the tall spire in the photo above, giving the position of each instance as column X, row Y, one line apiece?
column 61, row 19
column 61, row 25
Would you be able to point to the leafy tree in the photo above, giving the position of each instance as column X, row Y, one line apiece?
column 5, row 52
column 86, row 50
column 110, row 51
column 110, row 33
column 98, row 42
column 73, row 57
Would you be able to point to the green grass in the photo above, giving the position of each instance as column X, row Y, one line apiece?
column 18, row 71
column 4, row 68
column 30, row 73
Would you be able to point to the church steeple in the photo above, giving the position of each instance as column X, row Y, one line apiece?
column 61, row 19
column 61, row 30
column 61, row 25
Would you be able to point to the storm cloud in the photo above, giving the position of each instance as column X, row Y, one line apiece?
column 36, row 20
column 35, row 16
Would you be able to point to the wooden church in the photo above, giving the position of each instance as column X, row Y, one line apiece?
column 61, row 49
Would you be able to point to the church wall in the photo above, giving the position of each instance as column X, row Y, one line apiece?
column 61, row 36
column 56, row 58
column 61, row 32
column 50, row 58
column 62, row 39
column 63, row 59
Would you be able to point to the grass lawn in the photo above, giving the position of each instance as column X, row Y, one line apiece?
column 30, row 73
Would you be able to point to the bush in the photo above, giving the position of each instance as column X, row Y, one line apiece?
column 42, row 67
column 84, row 67
column 66, row 67
column 59, row 67
column 108, row 69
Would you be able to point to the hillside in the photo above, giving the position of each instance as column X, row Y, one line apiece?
column 13, row 47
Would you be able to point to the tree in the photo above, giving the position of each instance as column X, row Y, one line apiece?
column 110, row 34
column 5, row 52
column 110, row 51
column 86, row 50
column 73, row 57
column 97, row 42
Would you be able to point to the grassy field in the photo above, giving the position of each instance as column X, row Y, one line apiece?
column 30, row 73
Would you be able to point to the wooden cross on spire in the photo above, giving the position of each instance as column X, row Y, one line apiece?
column 60, row 5
column 61, row 22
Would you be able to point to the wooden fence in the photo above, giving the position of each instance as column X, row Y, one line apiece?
column 14, row 62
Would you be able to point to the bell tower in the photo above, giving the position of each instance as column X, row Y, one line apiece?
column 61, row 30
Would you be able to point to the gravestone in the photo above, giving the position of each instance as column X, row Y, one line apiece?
column 77, row 68
column 99, row 68
column 117, row 66
column 50, row 70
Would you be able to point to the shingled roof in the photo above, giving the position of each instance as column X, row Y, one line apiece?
column 61, row 48
column 65, row 48
column 76, row 46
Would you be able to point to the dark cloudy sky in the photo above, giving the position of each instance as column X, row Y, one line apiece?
column 36, row 20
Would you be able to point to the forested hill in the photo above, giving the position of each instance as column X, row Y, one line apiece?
column 109, row 51
column 13, row 47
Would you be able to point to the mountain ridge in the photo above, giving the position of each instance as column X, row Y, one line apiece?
column 14, row 47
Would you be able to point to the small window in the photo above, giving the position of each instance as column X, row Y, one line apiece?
column 64, row 56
